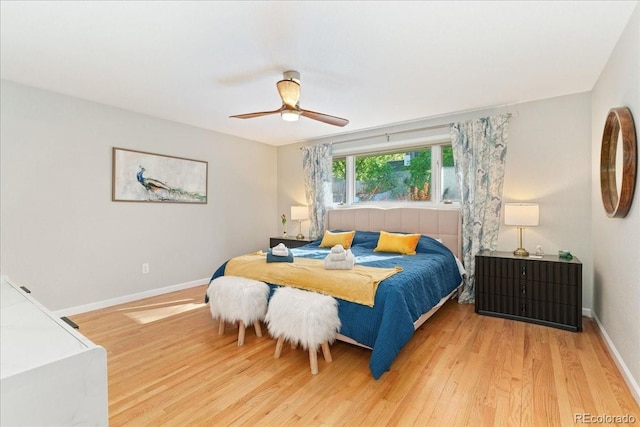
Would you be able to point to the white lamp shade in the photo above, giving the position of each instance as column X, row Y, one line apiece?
column 521, row 214
column 299, row 213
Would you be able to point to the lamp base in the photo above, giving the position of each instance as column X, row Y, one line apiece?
column 521, row 252
column 300, row 236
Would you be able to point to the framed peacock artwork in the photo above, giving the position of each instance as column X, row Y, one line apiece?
column 147, row 177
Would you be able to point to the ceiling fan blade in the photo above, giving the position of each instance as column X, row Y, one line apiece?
column 258, row 114
column 325, row 118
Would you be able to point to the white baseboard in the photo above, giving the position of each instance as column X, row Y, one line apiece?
column 626, row 374
column 128, row 298
column 586, row 312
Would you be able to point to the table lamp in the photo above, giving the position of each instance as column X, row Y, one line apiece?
column 299, row 213
column 522, row 215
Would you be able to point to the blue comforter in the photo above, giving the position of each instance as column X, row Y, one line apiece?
column 400, row 299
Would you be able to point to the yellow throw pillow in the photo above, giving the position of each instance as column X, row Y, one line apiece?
column 330, row 239
column 397, row 243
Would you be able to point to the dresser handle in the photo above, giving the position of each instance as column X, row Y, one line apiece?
column 524, row 289
column 524, row 309
column 524, row 271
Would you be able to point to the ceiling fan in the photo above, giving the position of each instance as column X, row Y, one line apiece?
column 289, row 90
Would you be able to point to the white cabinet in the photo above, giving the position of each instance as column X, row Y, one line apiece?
column 51, row 374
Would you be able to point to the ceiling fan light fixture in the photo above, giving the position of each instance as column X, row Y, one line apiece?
column 290, row 115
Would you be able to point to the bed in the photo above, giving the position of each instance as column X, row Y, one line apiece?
column 405, row 300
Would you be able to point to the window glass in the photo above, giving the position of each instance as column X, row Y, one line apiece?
column 403, row 176
column 450, row 191
column 339, row 180
column 425, row 174
column 418, row 175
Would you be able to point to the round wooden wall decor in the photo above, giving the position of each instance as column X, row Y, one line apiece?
column 619, row 134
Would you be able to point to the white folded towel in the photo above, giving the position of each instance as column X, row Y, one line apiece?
column 280, row 250
column 337, row 253
column 346, row 264
column 337, row 249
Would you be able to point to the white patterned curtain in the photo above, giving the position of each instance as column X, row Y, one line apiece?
column 317, row 169
column 479, row 153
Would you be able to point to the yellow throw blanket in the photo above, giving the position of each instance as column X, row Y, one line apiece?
column 358, row 285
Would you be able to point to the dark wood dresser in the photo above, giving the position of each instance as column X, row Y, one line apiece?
column 547, row 291
column 290, row 242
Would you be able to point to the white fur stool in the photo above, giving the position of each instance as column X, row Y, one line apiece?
column 237, row 299
column 306, row 318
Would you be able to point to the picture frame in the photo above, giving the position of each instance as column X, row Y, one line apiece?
column 140, row 176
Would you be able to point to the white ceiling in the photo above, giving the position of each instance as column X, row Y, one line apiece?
column 374, row 63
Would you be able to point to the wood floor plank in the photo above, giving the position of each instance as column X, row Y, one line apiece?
column 562, row 365
column 168, row 366
column 420, row 400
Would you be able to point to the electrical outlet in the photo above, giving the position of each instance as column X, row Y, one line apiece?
column 145, row 268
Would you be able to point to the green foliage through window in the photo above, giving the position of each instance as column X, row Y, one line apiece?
column 376, row 175
column 401, row 176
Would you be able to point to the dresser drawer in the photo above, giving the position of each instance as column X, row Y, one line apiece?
column 560, row 314
column 539, row 291
column 542, row 312
column 549, row 292
column 517, row 269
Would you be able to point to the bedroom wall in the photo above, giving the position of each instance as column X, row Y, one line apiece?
column 616, row 242
column 291, row 186
column 548, row 161
column 63, row 237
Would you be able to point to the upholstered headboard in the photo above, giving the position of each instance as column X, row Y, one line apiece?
column 444, row 224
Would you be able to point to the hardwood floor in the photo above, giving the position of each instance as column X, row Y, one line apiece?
column 168, row 366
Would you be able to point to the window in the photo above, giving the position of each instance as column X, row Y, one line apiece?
column 450, row 190
column 424, row 174
column 339, row 181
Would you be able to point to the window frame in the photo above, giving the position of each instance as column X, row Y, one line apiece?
column 435, row 144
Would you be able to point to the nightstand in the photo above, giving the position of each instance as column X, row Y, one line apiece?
column 547, row 291
column 290, row 242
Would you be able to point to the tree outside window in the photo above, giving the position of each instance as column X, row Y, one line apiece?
column 339, row 180
column 398, row 176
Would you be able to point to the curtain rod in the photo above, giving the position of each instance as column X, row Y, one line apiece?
column 388, row 134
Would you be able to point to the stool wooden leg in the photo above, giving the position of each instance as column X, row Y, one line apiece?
column 327, row 352
column 256, row 326
column 279, row 346
column 242, row 327
column 313, row 360
column 221, row 327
